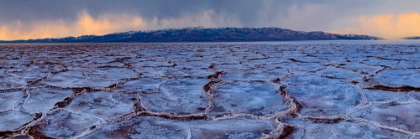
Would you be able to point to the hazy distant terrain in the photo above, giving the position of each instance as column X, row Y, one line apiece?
column 239, row 91
column 208, row 35
column 412, row 38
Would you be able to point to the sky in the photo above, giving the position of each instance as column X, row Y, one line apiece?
column 30, row 19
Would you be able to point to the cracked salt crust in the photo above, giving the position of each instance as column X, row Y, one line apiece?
column 209, row 91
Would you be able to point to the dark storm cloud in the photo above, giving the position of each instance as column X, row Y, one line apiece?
column 245, row 10
column 148, row 9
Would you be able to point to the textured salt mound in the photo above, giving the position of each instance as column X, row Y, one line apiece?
column 325, row 100
column 398, row 78
column 178, row 96
column 247, row 97
column 155, row 127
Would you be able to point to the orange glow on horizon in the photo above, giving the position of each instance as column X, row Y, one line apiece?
column 84, row 25
column 387, row 26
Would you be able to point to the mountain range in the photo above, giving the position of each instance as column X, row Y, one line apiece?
column 198, row 34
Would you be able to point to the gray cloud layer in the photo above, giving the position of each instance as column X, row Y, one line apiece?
column 306, row 15
column 245, row 10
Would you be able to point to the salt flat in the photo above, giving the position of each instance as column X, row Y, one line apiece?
column 209, row 90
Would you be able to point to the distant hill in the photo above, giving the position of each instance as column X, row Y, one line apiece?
column 412, row 38
column 207, row 35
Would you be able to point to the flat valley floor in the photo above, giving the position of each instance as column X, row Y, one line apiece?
column 236, row 91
